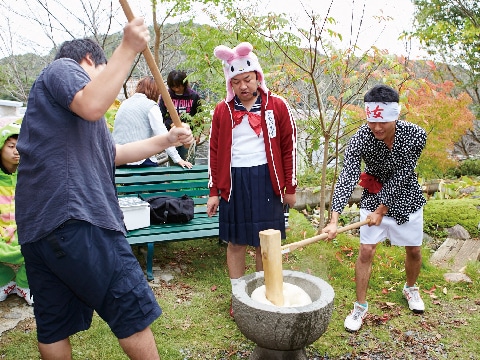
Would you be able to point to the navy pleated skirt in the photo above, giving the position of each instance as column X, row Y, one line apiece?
column 253, row 207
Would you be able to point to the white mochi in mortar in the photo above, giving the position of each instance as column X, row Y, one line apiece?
column 293, row 295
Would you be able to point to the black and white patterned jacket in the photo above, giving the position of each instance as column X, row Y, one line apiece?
column 394, row 168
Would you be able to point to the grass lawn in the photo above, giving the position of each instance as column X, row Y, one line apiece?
column 196, row 325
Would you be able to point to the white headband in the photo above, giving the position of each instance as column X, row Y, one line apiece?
column 382, row 111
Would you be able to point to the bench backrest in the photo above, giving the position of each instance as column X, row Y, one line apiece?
column 170, row 180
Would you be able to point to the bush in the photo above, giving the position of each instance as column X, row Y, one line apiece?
column 441, row 214
column 312, row 178
column 469, row 167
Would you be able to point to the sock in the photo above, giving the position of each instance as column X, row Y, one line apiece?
column 364, row 305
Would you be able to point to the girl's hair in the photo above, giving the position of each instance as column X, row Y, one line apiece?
column 381, row 93
column 149, row 87
column 78, row 49
column 177, row 78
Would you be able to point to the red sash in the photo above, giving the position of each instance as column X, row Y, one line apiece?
column 370, row 183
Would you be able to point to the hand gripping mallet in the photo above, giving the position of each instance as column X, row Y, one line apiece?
column 270, row 243
column 155, row 72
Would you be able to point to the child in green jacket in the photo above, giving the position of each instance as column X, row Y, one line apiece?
column 11, row 282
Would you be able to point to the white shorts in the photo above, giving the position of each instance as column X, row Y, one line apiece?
column 407, row 234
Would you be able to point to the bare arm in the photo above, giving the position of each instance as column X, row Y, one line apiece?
column 95, row 98
column 138, row 150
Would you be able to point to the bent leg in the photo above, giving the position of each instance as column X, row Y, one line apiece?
column 236, row 260
column 60, row 350
column 140, row 346
column 363, row 270
column 413, row 263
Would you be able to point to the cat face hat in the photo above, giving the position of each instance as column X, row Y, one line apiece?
column 239, row 60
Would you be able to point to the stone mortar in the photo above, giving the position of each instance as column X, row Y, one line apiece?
column 282, row 332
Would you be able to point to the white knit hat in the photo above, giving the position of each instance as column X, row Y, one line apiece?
column 236, row 61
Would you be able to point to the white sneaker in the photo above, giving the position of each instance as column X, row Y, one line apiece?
column 7, row 290
column 415, row 302
column 25, row 294
column 354, row 321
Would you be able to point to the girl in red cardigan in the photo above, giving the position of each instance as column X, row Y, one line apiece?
column 252, row 158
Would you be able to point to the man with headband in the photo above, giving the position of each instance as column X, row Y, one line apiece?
column 392, row 198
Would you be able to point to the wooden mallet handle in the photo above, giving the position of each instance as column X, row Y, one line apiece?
column 155, row 72
column 289, row 247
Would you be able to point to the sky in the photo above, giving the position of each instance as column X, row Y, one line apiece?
column 397, row 16
column 382, row 23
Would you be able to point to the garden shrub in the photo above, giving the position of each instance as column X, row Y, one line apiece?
column 441, row 214
column 469, row 167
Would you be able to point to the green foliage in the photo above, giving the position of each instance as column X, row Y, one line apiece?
column 450, row 27
column 311, row 177
column 455, row 189
column 111, row 112
column 451, row 32
column 469, row 167
column 195, row 323
column 441, row 214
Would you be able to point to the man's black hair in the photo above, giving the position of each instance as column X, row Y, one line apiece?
column 78, row 49
column 381, row 93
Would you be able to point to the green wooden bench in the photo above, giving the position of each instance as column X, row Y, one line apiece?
column 173, row 181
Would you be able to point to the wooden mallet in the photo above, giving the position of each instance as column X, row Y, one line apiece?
column 155, row 72
column 270, row 242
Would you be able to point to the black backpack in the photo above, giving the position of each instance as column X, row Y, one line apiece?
column 170, row 209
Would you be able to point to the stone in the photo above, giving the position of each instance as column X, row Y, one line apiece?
column 456, row 277
column 282, row 332
column 458, row 232
column 454, row 254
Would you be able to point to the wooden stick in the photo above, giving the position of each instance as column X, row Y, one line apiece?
column 270, row 241
column 290, row 247
column 155, row 72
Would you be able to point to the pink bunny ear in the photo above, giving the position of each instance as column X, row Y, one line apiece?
column 243, row 49
column 224, row 53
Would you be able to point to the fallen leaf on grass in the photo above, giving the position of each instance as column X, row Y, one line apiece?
column 388, row 305
column 426, row 326
column 432, row 290
column 213, row 288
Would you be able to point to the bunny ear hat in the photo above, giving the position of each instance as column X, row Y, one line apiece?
column 239, row 60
